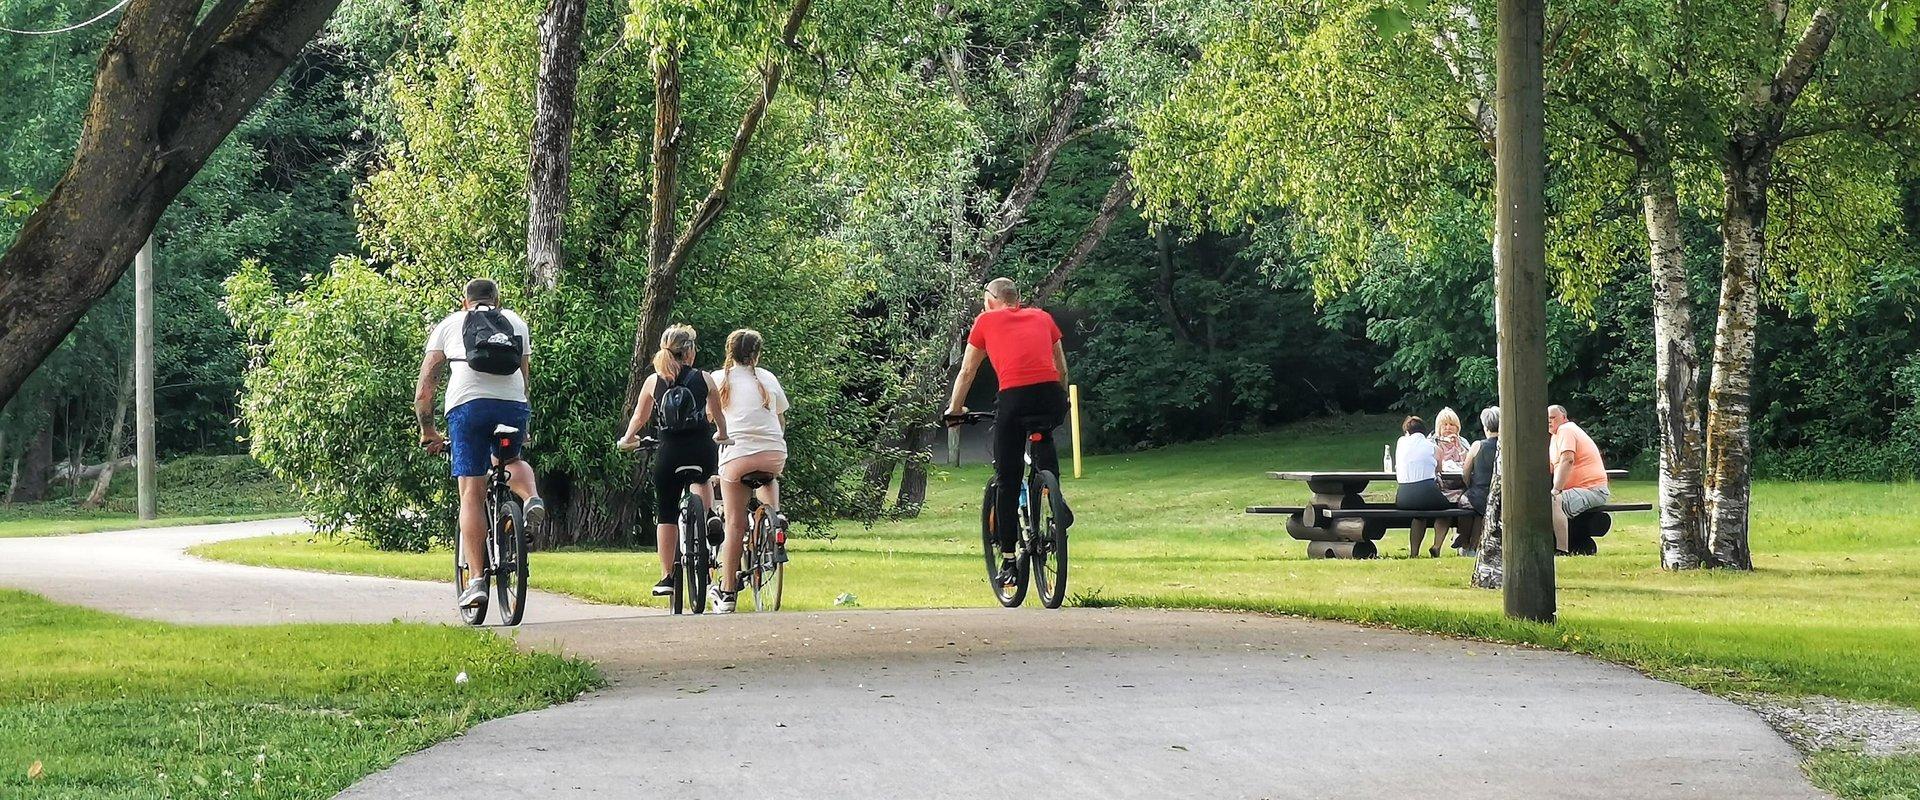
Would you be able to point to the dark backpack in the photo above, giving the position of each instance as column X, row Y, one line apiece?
column 678, row 409
column 492, row 346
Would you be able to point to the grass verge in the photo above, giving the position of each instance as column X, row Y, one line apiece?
column 111, row 708
column 194, row 490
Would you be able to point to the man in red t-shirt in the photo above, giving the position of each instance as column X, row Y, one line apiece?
column 1024, row 346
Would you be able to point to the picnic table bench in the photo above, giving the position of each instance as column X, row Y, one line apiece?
column 1340, row 522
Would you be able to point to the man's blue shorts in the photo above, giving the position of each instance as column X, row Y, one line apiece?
column 470, row 428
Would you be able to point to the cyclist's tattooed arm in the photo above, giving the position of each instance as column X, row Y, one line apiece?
column 969, row 367
column 423, row 391
column 1060, row 362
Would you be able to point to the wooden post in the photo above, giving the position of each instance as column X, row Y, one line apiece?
column 1073, row 405
column 953, row 445
column 143, row 377
column 1520, row 231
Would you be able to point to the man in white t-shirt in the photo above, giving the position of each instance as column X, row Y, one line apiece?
column 478, row 401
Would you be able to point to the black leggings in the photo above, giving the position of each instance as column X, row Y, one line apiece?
column 1019, row 411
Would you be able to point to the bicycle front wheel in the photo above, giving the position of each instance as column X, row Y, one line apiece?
column 1047, row 539
column 1009, row 595
column 510, row 570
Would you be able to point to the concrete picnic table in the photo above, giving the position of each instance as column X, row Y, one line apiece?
column 1339, row 522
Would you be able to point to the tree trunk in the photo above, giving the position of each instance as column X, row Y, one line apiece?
column 661, row 285
column 585, row 513
column 1676, row 378
column 1729, row 454
column 1520, row 236
column 31, row 473
column 664, row 262
column 913, row 474
column 549, row 162
column 165, row 95
column 1747, row 169
column 115, row 441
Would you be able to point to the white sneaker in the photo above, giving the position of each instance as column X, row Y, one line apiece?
column 719, row 602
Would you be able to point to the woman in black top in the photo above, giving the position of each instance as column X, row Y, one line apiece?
column 688, row 456
column 1482, row 459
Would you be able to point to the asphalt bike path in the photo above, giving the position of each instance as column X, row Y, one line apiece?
column 1074, row 703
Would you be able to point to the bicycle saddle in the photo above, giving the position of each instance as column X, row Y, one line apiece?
column 755, row 480
column 505, row 430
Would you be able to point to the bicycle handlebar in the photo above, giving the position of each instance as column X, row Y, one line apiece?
column 642, row 445
column 968, row 418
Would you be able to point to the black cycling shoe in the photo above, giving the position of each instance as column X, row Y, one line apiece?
column 1009, row 573
column 665, row 586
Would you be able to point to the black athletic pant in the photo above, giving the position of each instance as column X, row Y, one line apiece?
column 1019, row 411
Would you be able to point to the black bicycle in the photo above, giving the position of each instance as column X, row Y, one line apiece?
column 693, row 565
column 1040, row 552
column 506, row 546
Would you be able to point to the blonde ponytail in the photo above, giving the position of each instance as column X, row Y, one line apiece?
column 674, row 344
column 743, row 349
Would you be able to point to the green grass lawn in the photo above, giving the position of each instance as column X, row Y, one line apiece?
column 1830, row 609
column 193, row 490
column 114, row 708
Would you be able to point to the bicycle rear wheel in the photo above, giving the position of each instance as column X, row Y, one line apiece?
column 1009, row 596
column 1047, row 546
column 693, row 555
column 510, row 571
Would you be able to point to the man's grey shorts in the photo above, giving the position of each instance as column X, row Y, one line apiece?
column 1580, row 501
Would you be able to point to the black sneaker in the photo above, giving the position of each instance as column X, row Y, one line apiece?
column 475, row 595
column 665, row 586
column 536, row 512
column 1009, row 573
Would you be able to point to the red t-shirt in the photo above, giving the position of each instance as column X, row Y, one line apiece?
column 1019, row 342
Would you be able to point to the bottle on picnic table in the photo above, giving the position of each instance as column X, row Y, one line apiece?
column 1386, row 458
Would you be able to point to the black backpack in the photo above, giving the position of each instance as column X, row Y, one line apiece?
column 678, row 409
column 492, row 346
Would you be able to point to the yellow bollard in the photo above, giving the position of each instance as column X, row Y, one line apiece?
column 1073, row 403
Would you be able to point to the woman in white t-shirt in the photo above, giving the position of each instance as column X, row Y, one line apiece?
column 755, row 407
column 1416, row 465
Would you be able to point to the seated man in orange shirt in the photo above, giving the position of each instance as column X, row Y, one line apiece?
column 1579, row 476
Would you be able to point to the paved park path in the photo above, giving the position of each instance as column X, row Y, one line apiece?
column 1071, row 703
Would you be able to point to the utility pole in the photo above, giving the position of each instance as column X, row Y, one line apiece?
column 143, row 377
column 1520, row 227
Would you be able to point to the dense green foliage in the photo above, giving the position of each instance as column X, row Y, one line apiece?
column 1297, row 266
column 118, row 709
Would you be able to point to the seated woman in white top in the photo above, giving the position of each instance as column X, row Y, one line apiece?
column 755, row 407
column 1416, row 465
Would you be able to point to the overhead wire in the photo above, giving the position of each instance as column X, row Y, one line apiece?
column 70, row 28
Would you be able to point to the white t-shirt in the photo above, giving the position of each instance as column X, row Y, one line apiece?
column 1414, row 459
column 466, row 383
column 753, row 418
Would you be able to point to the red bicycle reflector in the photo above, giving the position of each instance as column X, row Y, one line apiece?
column 1034, row 437
column 506, row 442
column 779, row 537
